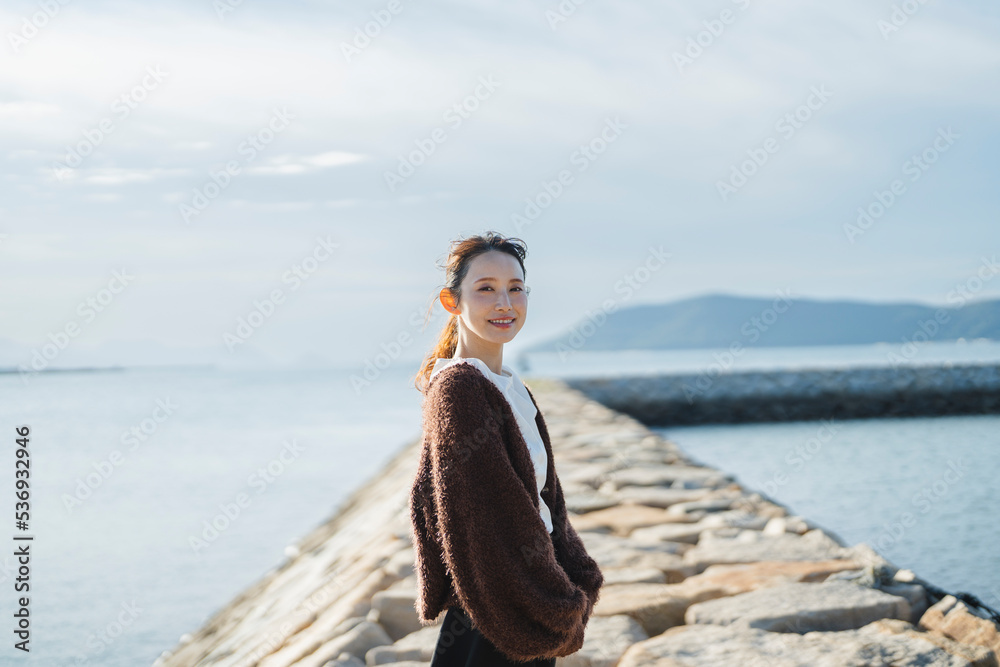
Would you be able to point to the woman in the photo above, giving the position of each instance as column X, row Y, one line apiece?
column 491, row 534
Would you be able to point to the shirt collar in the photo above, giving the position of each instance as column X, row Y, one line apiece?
column 510, row 385
column 508, row 375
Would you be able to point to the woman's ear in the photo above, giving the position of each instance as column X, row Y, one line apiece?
column 448, row 301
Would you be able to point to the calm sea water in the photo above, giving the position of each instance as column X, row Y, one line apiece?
column 293, row 444
column 124, row 553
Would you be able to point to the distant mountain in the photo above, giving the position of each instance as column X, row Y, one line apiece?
column 719, row 321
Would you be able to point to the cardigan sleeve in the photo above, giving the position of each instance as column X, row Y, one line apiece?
column 581, row 568
column 495, row 546
column 570, row 551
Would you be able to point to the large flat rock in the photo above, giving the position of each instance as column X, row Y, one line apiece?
column 749, row 546
column 874, row 645
column 801, row 607
column 658, row 606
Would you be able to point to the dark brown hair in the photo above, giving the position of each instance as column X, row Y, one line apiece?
column 462, row 252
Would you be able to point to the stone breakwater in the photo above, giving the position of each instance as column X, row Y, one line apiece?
column 698, row 570
column 806, row 394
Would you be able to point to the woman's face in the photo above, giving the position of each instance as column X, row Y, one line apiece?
column 493, row 289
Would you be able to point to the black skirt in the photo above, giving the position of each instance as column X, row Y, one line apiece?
column 461, row 645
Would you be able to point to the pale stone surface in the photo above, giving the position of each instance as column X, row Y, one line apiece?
column 581, row 502
column 734, row 578
column 954, row 619
column 669, row 532
column 691, row 532
column 788, row 524
column 345, row 660
column 656, row 496
column 714, row 503
column 622, row 519
column 357, row 641
column 606, row 640
column 750, row 545
column 700, row 477
column 801, row 608
column 660, row 606
column 978, row 656
column 395, row 608
column 400, row 565
column 890, row 580
column 655, row 607
column 724, row 645
column 611, row 551
column 309, row 639
column 418, row 646
column 735, row 518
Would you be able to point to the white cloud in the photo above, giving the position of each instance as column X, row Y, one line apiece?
column 120, row 176
column 343, row 203
column 192, row 145
column 107, row 197
column 433, row 196
column 27, row 109
column 288, row 164
column 273, row 205
column 23, row 153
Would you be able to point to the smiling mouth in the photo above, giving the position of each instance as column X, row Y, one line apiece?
column 503, row 322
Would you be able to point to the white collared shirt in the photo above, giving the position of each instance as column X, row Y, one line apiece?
column 511, row 386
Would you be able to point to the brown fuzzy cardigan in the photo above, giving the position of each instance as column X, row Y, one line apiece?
column 478, row 537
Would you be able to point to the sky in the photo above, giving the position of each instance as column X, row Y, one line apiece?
column 170, row 169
